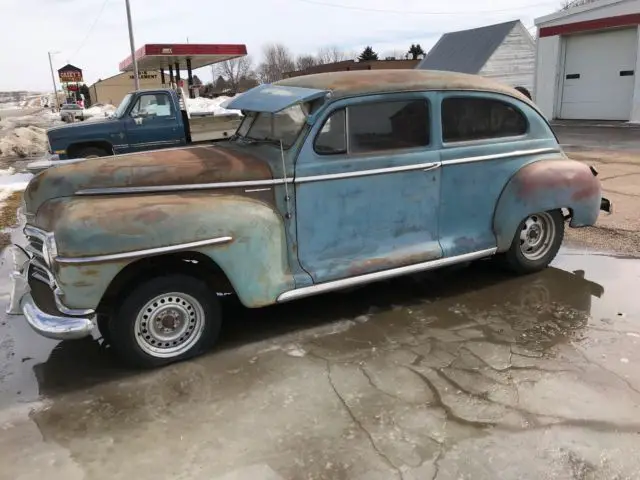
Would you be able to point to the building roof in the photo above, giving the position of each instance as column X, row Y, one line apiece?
column 466, row 51
column 69, row 67
column 363, row 82
column 156, row 56
column 577, row 9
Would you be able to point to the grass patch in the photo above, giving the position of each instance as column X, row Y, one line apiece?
column 5, row 240
column 9, row 211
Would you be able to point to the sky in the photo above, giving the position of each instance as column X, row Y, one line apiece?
column 92, row 34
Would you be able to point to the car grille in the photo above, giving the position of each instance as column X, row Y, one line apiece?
column 38, row 267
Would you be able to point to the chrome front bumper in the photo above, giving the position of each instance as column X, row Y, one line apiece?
column 58, row 327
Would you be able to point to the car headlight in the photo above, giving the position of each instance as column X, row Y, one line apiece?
column 49, row 250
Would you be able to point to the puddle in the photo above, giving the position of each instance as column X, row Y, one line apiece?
column 409, row 375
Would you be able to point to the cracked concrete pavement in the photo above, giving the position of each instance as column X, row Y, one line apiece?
column 615, row 153
column 466, row 373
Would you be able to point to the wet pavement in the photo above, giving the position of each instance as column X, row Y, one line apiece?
column 466, row 373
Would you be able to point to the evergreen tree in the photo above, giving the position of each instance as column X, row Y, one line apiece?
column 368, row 54
column 415, row 51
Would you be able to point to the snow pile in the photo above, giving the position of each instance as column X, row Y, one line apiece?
column 209, row 105
column 12, row 182
column 97, row 112
column 23, row 142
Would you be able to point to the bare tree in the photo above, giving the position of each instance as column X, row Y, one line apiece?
column 235, row 71
column 331, row 55
column 306, row 61
column 277, row 61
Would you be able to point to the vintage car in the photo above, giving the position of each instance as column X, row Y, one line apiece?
column 331, row 181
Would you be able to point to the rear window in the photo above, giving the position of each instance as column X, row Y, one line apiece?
column 471, row 118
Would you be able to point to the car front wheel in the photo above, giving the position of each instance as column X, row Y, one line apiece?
column 165, row 320
column 536, row 242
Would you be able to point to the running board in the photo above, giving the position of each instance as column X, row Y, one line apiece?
column 384, row 275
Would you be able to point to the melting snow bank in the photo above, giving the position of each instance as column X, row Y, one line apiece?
column 23, row 142
column 209, row 105
column 12, row 182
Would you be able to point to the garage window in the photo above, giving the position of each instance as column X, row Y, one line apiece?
column 471, row 118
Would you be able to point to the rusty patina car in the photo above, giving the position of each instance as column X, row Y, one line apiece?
column 331, row 181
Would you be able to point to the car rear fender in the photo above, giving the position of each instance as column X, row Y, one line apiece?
column 548, row 184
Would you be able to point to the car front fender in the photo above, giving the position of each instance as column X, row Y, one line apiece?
column 254, row 256
column 544, row 185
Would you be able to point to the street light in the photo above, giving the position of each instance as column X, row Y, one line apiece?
column 133, row 48
column 53, row 79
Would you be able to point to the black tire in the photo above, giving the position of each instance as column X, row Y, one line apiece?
column 103, row 327
column 524, row 91
column 92, row 152
column 132, row 338
column 516, row 260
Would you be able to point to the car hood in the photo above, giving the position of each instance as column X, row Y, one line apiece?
column 186, row 167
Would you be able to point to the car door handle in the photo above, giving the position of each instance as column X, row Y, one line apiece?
column 433, row 166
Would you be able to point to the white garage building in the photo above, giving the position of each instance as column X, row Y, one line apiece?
column 588, row 62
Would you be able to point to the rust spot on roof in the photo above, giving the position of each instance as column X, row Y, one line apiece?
column 361, row 82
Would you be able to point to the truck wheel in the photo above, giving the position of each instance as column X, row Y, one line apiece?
column 92, row 152
column 165, row 320
column 536, row 242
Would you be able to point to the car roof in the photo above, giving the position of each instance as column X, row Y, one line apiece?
column 364, row 82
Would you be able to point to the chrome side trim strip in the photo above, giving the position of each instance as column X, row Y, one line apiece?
column 177, row 188
column 311, row 178
column 495, row 156
column 143, row 253
column 376, row 276
column 366, row 173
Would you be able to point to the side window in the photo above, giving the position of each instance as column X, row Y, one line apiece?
column 332, row 138
column 389, row 125
column 471, row 118
column 156, row 104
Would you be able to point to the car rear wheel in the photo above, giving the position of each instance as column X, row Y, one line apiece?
column 536, row 242
column 165, row 320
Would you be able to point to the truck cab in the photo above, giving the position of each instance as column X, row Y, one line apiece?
column 144, row 120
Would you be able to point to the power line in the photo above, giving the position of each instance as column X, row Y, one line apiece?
column 409, row 12
column 95, row 22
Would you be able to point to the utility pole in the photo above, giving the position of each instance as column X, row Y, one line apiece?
column 55, row 88
column 136, row 79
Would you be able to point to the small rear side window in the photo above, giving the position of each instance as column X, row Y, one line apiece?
column 471, row 118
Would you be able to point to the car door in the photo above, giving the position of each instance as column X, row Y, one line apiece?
column 153, row 123
column 367, row 185
column 486, row 138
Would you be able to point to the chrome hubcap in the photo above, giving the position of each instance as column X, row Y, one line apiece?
column 169, row 324
column 537, row 235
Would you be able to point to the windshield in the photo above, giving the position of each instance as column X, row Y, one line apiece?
column 123, row 106
column 284, row 125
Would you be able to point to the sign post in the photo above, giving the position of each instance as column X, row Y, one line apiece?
column 136, row 80
column 55, row 89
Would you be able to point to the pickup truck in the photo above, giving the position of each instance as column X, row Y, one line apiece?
column 332, row 181
column 144, row 120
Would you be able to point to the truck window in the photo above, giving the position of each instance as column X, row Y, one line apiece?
column 152, row 104
column 472, row 118
column 388, row 125
column 332, row 138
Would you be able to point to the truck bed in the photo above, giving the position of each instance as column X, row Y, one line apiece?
column 212, row 127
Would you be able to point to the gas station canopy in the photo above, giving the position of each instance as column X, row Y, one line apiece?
column 164, row 56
